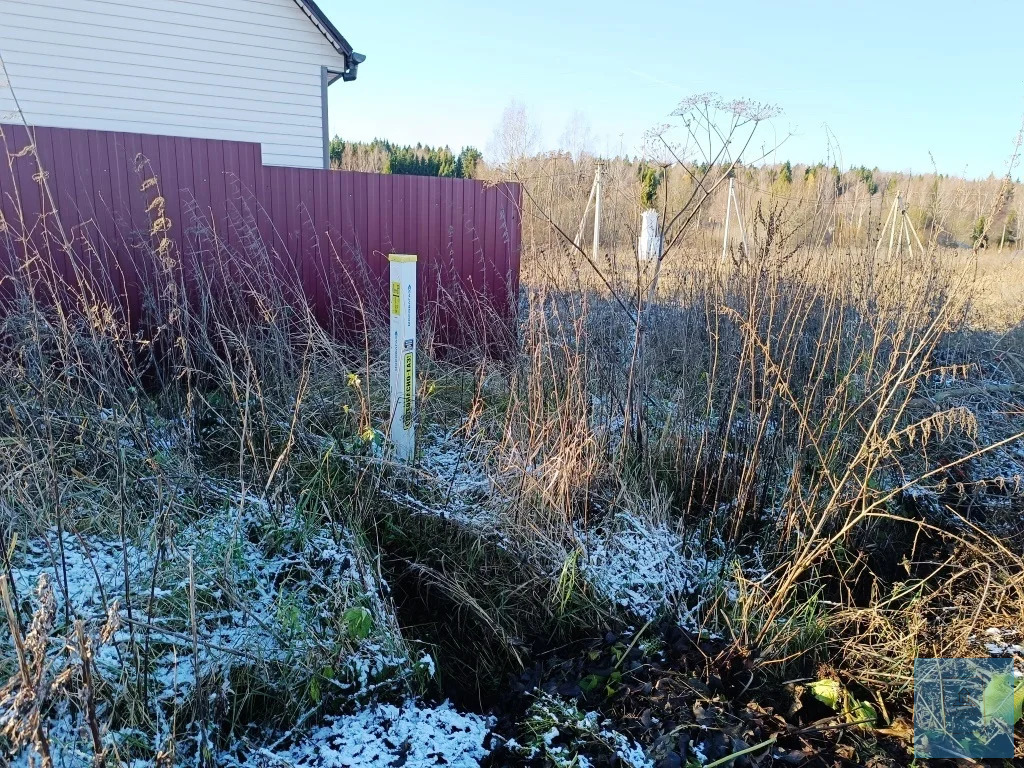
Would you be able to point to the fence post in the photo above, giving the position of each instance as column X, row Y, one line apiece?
column 403, row 354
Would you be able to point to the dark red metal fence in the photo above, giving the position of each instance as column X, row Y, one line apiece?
column 333, row 229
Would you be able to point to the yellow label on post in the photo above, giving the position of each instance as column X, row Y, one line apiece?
column 396, row 298
column 407, row 392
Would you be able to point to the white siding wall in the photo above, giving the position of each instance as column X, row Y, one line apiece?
column 247, row 70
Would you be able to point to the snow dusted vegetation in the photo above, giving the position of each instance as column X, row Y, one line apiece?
column 641, row 564
column 284, row 597
column 385, row 734
column 649, row 568
column 246, row 598
column 456, row 470
column 411, row 734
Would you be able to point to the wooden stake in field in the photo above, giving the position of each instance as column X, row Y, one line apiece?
column 403, row 355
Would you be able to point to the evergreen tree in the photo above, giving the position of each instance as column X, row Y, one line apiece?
column 836, row 180
column 446, row 163
column 1012, row 228
column 783, row 178
column 786, row 174
column 978, row 236
column 868, row 177
column 650, row 180
column 335, row 151
column 467, row 162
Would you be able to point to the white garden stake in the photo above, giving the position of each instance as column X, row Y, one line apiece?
column 403, row 354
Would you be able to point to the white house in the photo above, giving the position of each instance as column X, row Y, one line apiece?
column 246, row 70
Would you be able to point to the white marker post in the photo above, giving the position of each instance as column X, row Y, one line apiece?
column 648, row 246
column 403, row 355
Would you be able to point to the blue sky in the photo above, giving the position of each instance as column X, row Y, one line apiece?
column 890, row 81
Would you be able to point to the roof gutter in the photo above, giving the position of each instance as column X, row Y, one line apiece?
column 335, row 38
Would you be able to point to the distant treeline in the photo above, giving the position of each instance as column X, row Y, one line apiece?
column 381, row 156
column 822, row 203
column 844, row 206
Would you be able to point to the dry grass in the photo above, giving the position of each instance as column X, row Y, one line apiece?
column 820, row 422
column 801, row 399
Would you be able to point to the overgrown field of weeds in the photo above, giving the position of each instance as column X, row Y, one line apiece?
column 712, row 527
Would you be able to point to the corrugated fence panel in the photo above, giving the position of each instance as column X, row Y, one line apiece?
column 330, row 230
column 9, row 228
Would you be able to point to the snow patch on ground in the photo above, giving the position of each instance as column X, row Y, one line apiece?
column 649, row 568
column 87, row 573
column 271, row 590
column 1004, row 642
column 455, row 463
column 412, row 735
column 279, row 603
column 458, row 485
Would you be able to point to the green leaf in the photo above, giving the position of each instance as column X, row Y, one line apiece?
column 358, row 623
column 591, row 683
column 861, row 711
column 832, row 694
column 828, row 692
column 999, row 697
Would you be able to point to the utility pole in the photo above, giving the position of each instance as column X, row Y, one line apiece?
column 728, row 215
column 595, row 196
column 551, row 201
column 578, row 240
column 597, row 209
column 1018, row 240
column 733, row 202
column 899, row 218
